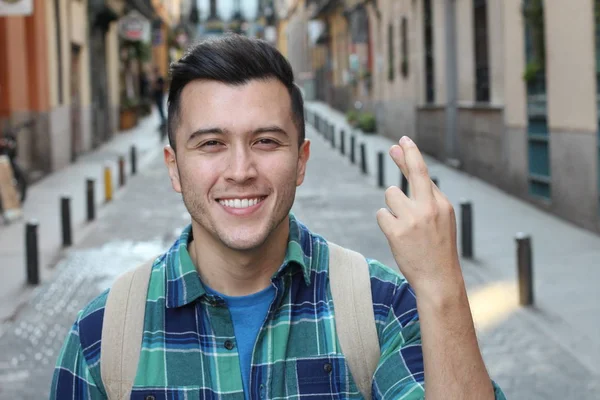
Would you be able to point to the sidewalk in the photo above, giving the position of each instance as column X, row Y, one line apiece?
column 43, row 205
column 566, row 258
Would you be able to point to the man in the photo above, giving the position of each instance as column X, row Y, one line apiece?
column 240, row 306
column 158, row 93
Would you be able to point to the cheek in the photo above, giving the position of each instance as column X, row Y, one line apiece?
column 197, row 176
column 283, row 172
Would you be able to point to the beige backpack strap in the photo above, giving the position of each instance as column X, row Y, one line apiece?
column 350, row 284
column 122, row 331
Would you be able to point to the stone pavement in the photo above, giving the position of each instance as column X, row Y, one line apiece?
column 337, row 201
column 43, row 205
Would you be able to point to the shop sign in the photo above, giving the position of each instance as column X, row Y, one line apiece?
column 135, row 27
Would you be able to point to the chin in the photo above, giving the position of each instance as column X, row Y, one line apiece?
column 249, row 237
column 241, row 243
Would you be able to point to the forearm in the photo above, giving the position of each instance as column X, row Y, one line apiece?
column 454, row 368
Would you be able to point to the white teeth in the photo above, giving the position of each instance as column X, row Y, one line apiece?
column 239, row 203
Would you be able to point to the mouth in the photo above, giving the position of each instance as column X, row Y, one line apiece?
column 241, row 205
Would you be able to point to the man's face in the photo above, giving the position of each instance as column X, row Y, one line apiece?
column 238, row 162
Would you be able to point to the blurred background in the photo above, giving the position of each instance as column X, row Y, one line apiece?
column 501, row 95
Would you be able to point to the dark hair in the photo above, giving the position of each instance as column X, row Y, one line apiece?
column 232, row 59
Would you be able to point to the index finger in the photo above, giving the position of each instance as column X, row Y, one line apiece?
column 417, row 171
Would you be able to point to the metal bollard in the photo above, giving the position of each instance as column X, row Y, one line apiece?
column 133, row 160
column 466, row 221
column 332, row 135
column 32, row 253
column 352, row 149
column 91, row 203
column 121, row 171
column 363, row 158
column 65, row 212
column 343, row 142
column 380, row 172
column 525, row 269
column 404, row 183
column 435, row 182
column 107, row 184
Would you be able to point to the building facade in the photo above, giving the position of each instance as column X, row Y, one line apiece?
column 506, row 89
column 61, row 70
column 45, row 80
column 327, row 44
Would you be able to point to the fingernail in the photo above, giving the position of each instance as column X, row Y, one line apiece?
column 394, row 150
column 406, row 141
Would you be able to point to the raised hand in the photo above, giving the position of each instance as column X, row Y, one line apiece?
column 421, row 230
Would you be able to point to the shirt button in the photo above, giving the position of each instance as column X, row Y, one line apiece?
column 228, row 344
column 327, row 367
column 150, row 397
column 262, row 391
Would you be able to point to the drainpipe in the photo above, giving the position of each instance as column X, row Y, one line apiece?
column 451, row 143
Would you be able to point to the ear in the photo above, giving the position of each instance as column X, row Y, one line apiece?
column 171, row 163
column 303, row 156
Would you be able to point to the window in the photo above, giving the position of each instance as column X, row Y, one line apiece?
column 482, row 72
column 391, row 52
column 404, row 39
column 429, row 60
column 538, row 139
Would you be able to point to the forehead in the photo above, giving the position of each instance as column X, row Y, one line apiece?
column 257, row 101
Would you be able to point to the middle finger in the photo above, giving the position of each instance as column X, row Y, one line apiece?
column 417, row 172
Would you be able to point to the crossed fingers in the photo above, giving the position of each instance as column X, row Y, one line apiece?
column 425, row 196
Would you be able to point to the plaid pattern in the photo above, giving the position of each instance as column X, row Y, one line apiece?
column 188, row 349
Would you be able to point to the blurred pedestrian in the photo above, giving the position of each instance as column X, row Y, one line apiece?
column 248, row 302
column 158, row 93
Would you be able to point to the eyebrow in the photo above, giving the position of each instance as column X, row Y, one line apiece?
column 219, row 131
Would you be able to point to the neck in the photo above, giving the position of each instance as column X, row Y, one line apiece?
column 238, row 272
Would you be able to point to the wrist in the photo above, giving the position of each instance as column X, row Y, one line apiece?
column 442, row 294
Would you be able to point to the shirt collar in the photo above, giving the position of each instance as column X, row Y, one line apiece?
column 184, row 286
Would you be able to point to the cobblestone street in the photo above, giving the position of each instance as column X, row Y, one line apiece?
column 336, row 201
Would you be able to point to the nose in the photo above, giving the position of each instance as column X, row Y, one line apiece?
column 241, row 166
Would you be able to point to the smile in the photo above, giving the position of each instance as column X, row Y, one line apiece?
column 241, row 203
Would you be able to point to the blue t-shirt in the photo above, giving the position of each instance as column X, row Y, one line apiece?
column 248, row 314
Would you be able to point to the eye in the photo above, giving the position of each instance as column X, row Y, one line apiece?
column 211, row 144
column 266, row 143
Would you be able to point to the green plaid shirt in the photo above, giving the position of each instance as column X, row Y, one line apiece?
column 188, row 348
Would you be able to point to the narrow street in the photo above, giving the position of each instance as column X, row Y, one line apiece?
column 336, row 201
column 502, row 98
